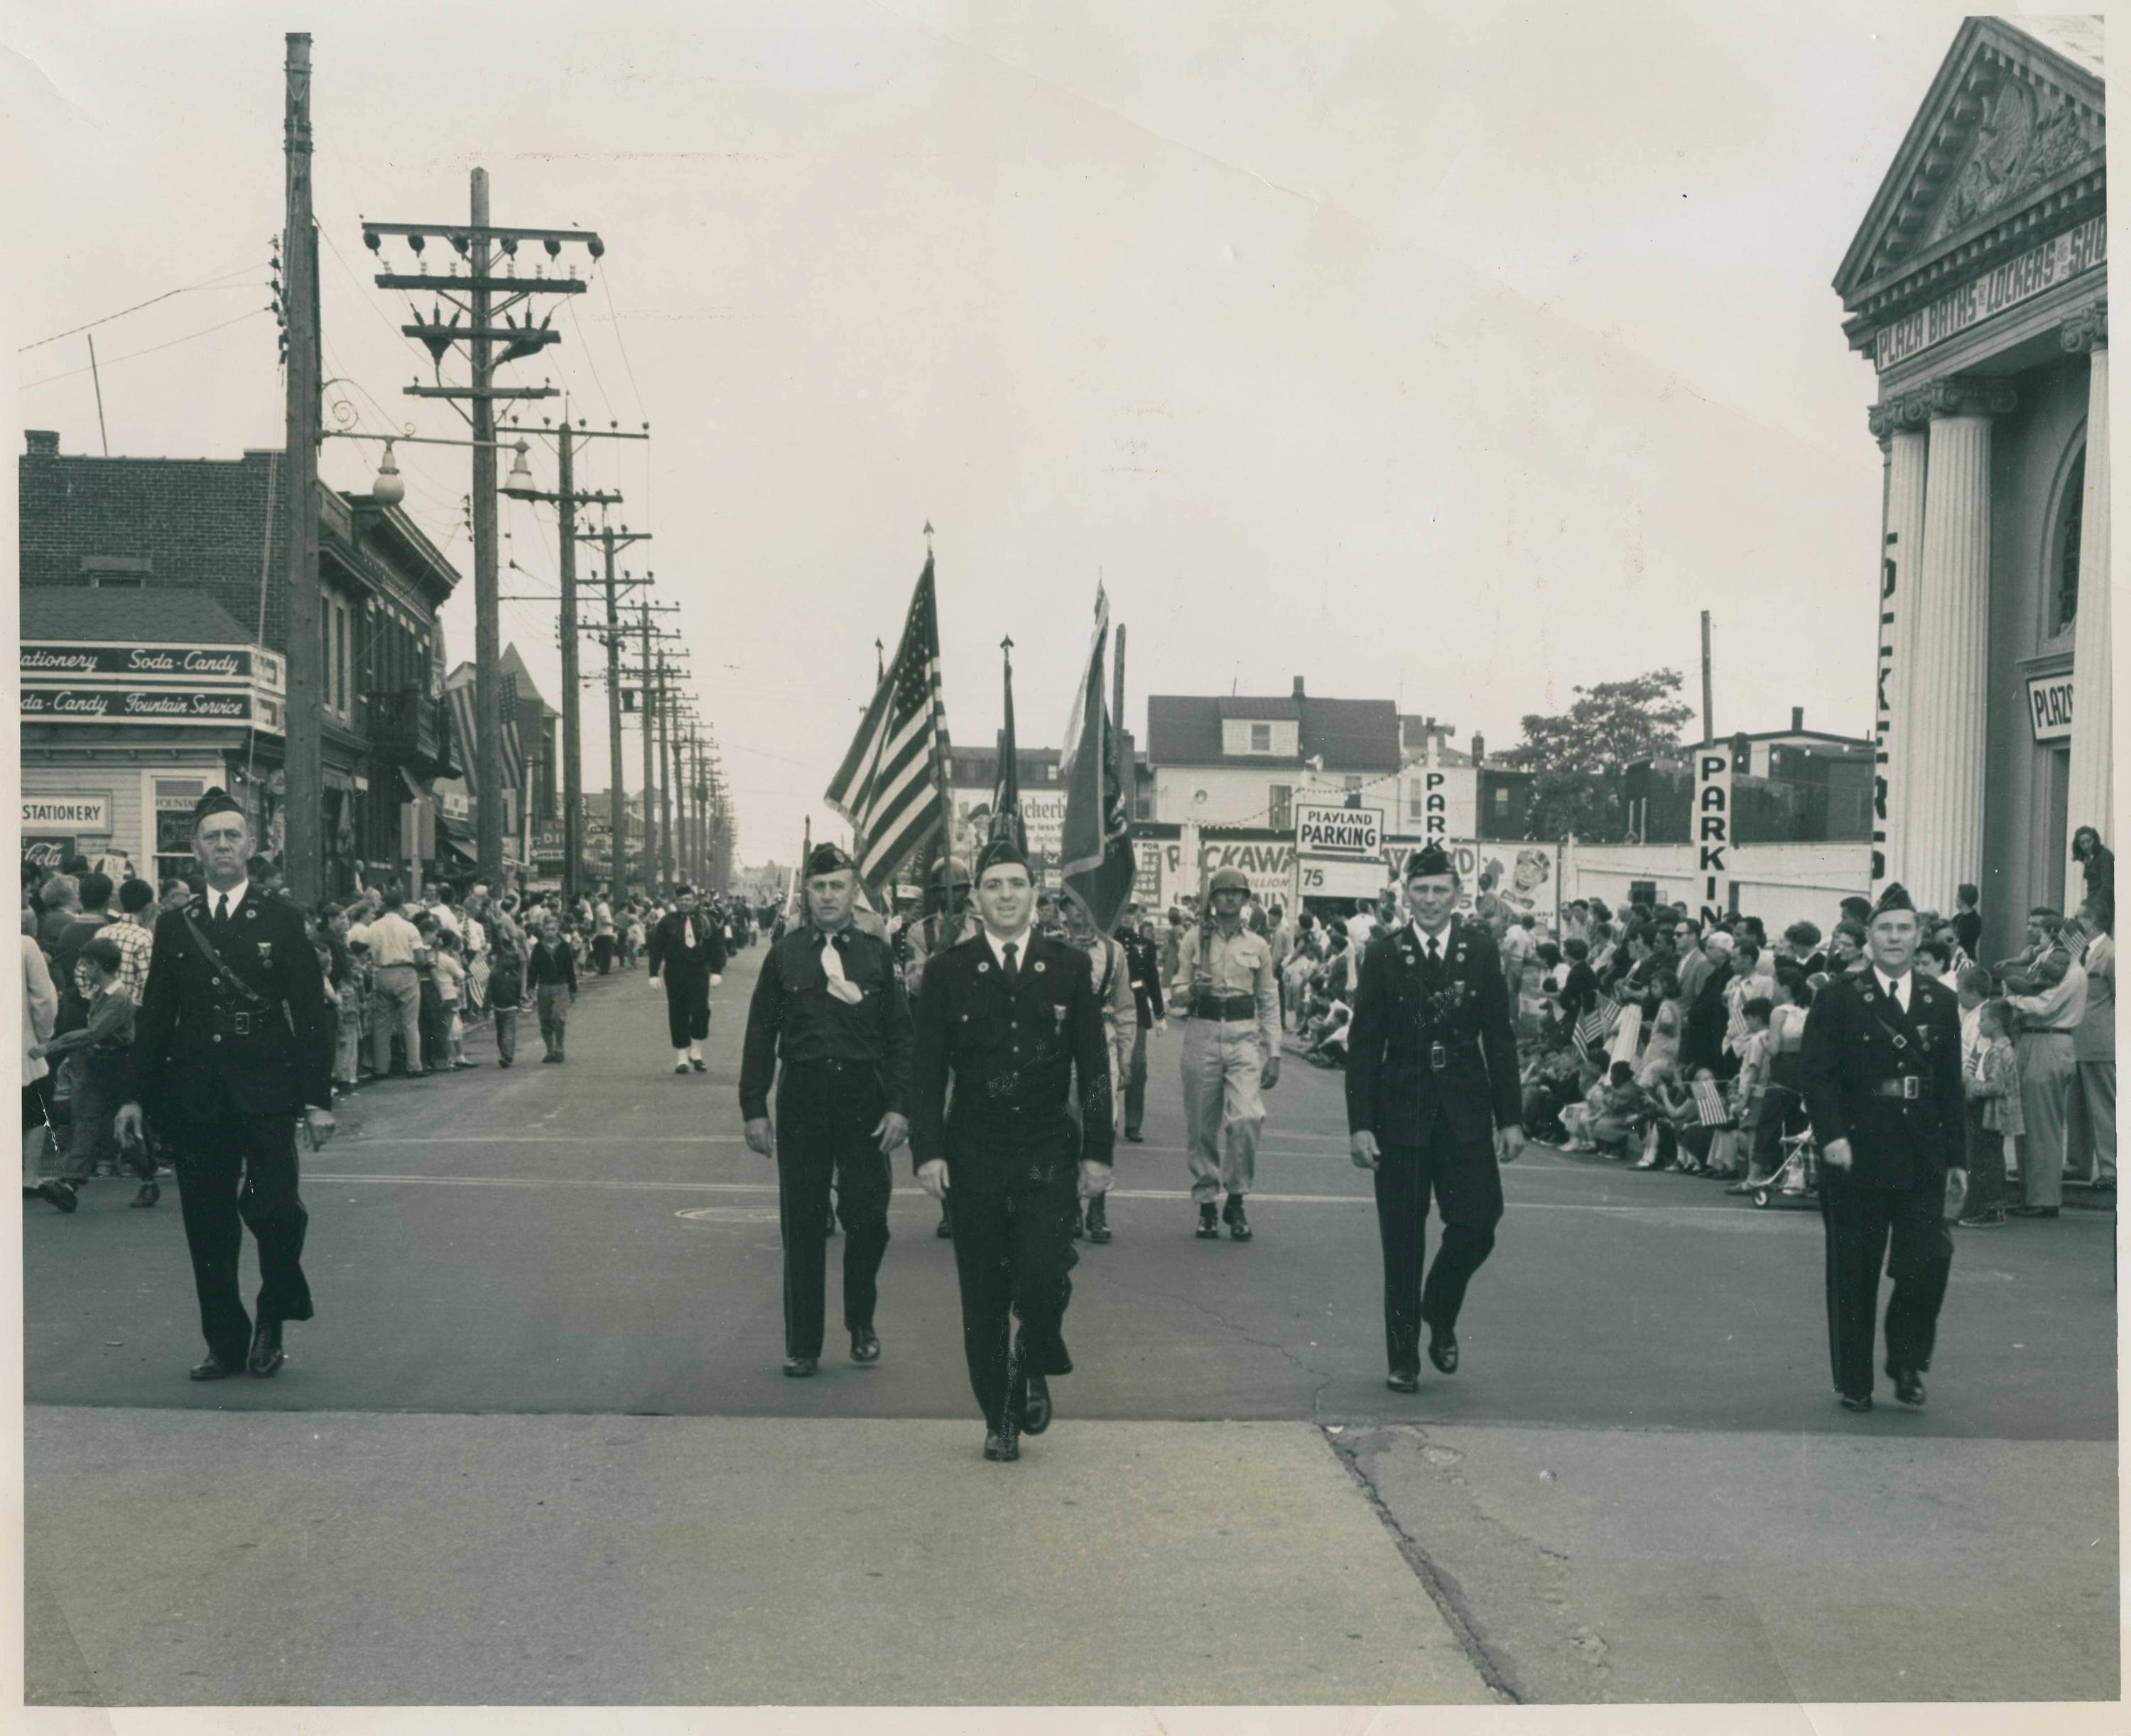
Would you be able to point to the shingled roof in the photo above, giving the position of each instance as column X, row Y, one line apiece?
column 150, row 614
column 1352, row 734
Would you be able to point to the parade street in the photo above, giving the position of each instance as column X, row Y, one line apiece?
column 536, row 1446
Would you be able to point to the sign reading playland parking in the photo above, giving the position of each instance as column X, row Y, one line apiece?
column 1327, row 829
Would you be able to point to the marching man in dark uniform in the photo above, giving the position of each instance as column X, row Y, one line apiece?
column 830, row 1001
column 688, row 949
column 1433, row 1106
column 1881, row 1066
column 232, row 1047
column 1009, row 1017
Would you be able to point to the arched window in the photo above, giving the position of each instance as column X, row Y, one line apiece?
column 2063, row 576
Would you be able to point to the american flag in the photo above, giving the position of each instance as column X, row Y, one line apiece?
column 465, row 750
column 1710, row 1108
column 892, row 786
column 1596, row 1025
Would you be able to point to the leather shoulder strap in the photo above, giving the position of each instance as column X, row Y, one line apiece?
column 214, row 959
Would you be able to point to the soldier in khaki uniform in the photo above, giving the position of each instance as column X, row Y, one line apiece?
column 1231, row 1052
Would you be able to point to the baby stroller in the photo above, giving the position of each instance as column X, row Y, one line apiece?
column 1798, row 1177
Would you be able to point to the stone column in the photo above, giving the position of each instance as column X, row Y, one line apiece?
column 2093, row 710
column 1946, row 698
column 1902, row 434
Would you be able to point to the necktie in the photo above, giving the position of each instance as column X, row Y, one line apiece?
column 1012, row 969
column 1434, row 952
column 221, row 908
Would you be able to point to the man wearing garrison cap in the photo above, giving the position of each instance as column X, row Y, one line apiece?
column 1881, row 1066
column 1008, row 1018
column 231, row 1047
column 829, row 1004
column 1432, row 1105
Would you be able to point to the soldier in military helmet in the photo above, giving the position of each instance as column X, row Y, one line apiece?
column 231, row 1047
column 1881, row 1064
column 1433, row 1105
column 829, row 1006
column 1231, row 1053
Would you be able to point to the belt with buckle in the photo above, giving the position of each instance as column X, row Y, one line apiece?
column 1225, row 1006
column 1909, row 1087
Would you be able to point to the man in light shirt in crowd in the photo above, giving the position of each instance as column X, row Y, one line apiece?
column 392, row 942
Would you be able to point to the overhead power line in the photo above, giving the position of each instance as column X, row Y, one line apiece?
column 113, row 361
column 185, row 290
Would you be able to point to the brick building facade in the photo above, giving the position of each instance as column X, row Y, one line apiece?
column 209, row 530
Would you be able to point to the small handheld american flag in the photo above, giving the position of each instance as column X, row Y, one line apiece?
column 1596, row 1025
column 1709, row 1106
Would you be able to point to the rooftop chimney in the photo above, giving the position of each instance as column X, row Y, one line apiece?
column 1299, row 693
column 41, row 440
column 1479, row 748
column 1798, row 717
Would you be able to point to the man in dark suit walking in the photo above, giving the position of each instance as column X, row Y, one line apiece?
column 232, row 1047
column 1881, row 1064
column 1433, row 1106
column 829, row 1003
column 688, row 949
column 1008, row 1018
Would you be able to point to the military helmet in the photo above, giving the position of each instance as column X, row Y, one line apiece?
column 954, row 872
column 1229, row 880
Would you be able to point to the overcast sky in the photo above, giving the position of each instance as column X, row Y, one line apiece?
column 1420, row 352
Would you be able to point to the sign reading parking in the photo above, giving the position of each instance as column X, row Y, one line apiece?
column 1324, row 828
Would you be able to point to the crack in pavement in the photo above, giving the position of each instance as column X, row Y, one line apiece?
column 1324, row 1379
column 1442, row 1591
column 1356, row 1447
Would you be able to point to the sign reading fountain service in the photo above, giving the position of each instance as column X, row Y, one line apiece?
column 103, row 682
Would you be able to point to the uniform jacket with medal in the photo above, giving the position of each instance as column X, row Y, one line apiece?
column 794, row 1012
column 1422, row 1041
column 1015, row 1059
column 269, row 1041
column 1856, row 1041
column 671, row 957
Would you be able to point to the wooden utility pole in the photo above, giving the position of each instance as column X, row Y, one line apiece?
column 302, row 802
column 1708, row 710
column 474, row 295
column 573, row 779
column 617, row 803
column 647, row 712
column 665, row 778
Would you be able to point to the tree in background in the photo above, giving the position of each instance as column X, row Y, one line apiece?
column 1580, row 755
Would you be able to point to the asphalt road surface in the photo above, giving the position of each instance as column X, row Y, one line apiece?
column 537, row 1447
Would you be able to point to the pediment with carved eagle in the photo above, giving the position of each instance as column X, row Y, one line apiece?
column 2007, row 148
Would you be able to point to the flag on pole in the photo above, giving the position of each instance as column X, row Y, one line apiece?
column 795, row 901
column 1096, row 848
column 1006, row 822
column 892, row 786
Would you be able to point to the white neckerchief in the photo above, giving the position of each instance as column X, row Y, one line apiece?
column 235, row 894
column 1898, row 989
column 688, row 930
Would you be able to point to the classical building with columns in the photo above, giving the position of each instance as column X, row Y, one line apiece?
column 1978, row 288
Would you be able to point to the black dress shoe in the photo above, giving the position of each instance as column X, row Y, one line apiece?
column 212, row 1367
column 1859, row 1402
column 799, row 1367
column 946, row 1232
column 1232, row 1214
column 1403, row 1381
column 1133, row 1138
column 866, row 1347
column 999, row 1449
column 1210, row 1223
column 1036, row 1406
column 149, row 1194
column 60, row 1193
column 266, row 1357
column 1443, row 1349
column 1908, row 1387
column 681, row 1066
column 1099, row 1220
